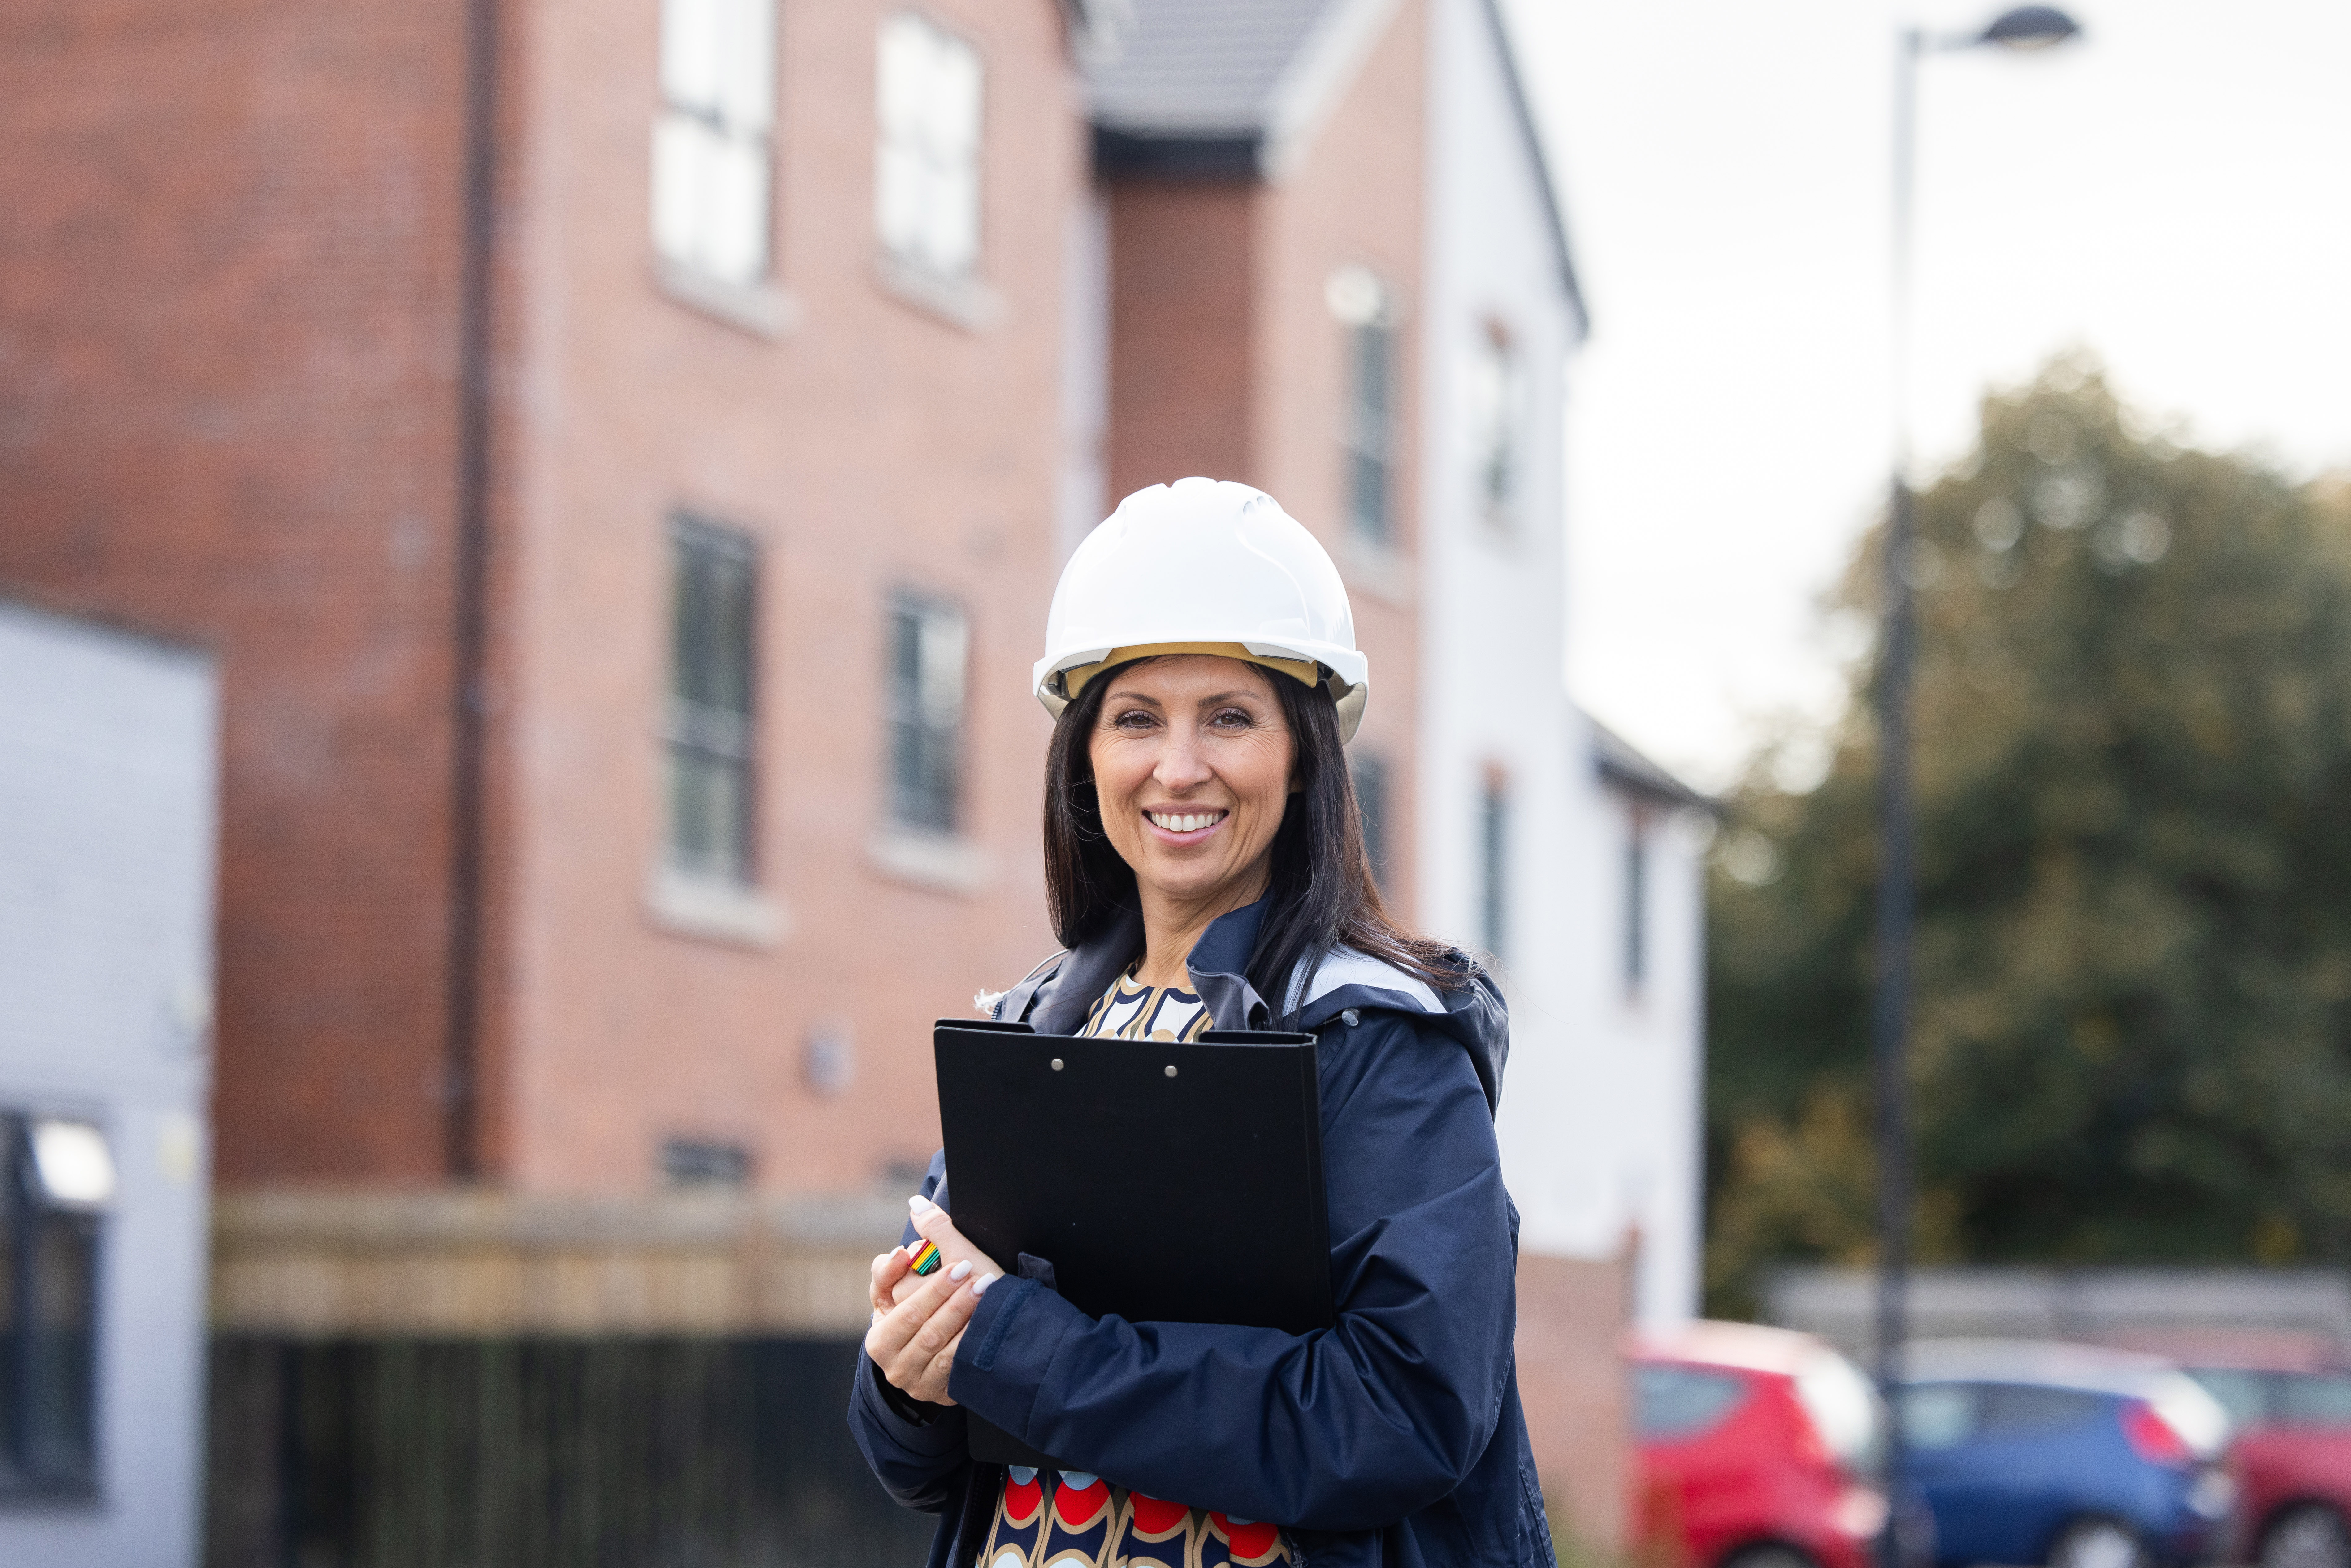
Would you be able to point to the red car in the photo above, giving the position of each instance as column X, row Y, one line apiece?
column 2293, row 1456
column 1756, row 1446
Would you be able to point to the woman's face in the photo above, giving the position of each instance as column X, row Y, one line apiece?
column 1191, row 761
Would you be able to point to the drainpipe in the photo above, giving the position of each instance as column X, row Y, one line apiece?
column 469, row 711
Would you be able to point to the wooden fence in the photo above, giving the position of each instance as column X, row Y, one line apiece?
column 470, row 1381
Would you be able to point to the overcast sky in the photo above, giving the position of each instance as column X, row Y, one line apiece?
column 2173, row 193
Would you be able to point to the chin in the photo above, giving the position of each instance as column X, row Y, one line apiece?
column 1183, row 882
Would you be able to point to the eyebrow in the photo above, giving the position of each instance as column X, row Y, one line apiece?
column 1154, row 702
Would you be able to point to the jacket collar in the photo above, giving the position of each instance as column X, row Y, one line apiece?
column 1216, row 964
column 1062, row 998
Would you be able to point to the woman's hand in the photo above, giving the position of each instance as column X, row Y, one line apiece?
column 918, row 1324
column 932, row 1224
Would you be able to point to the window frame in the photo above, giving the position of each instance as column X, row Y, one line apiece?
column 1635, row 910
column 1493, row 865
column 753, row 134
column 23, row 1208
column 904, row 701
column 710, row 733
column 935, row 171
column 1500, row 445
column 1370, row 437
column 1363, row 304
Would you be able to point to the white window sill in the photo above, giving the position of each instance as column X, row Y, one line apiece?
column 931, row 861
column 763, row 309
column 684, row 904
column 1384, row 573
column 964, row 302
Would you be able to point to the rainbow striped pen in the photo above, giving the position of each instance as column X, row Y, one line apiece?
column 927, row 1258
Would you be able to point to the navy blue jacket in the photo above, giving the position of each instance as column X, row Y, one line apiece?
column 1393, row 1438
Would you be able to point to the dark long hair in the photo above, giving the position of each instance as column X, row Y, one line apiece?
column 1323, row 894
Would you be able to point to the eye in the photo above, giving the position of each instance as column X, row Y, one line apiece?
column 1233, row 718
column 1133, row 718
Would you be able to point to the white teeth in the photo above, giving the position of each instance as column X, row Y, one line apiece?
column 1185, row 822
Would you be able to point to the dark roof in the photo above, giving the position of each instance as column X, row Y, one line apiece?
column 1622, row 764
column 1215, row 89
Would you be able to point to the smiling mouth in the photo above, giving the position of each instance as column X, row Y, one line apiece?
column 1185, row 821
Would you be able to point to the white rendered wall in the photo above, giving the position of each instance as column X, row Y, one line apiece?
column 106, row 811
column 1631, row 1088
column 1600, row 1117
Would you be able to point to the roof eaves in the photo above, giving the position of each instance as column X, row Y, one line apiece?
column 1620, row 763
column 1096, row 27
column 1532, row 135
column 1178, row 155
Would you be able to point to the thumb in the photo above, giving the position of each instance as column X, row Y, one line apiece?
column 931, row 1222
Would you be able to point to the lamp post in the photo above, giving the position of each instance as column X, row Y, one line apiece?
column 2024, row 28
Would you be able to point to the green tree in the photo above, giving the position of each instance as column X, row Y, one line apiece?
column 2131, row 1038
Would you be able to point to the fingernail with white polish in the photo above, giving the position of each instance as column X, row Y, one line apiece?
column 958, row 1271
column 918, row 1203
column 979, row 1286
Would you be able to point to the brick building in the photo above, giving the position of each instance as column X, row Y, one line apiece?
column 621, row 452
column 563, row 541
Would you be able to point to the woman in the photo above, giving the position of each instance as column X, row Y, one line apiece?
column 1206, row 868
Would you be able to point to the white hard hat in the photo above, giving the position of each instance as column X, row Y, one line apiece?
column 1203, row 566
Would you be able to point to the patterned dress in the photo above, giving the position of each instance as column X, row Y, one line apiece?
column 1067, row 1518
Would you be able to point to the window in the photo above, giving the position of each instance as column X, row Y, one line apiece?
column 1371, row 771
column 714, row 175
column 2313, row 1399
column 929, row 645
column 705, row 1163
column 2011, row 1407
column 714, row 576
column 1493, row 851
column 1494, row 419
column 1363, row 306
column 1937, row 1414
column 1674, row 1401
column 58, row 1180
column 926, row 174
column 1637, row 900
column 2245, row 1395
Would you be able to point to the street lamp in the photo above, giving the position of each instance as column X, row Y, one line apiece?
column 2022, row 28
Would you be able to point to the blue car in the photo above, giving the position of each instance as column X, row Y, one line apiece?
column 2067, row 1455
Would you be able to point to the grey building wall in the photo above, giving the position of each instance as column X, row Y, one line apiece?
column 106, row 812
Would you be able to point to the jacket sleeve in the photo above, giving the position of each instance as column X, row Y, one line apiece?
column 919, row 1462
column 1351, row 1427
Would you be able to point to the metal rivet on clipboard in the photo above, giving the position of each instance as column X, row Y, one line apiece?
column 1171, row 1070
column 1056, row 1064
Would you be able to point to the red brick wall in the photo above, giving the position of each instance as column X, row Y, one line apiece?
column 228, row 410
column 1183, row 311
column 1572, row 1314
column 228, row 403
column 1354, row 199
column 876, row 446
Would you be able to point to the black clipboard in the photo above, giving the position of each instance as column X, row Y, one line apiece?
column 1162, row 1182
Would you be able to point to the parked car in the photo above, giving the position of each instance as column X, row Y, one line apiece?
column 1755, row 1449
column 2293, row 1455
column 2068, row 1454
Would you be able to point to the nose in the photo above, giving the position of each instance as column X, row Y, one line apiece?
column 1180, row 766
